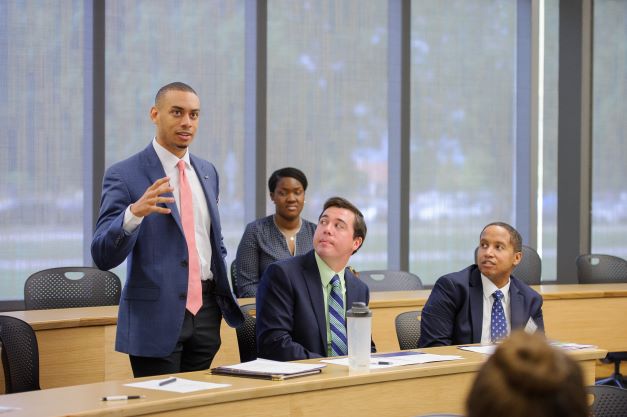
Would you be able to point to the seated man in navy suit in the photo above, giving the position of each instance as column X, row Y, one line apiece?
column 297, row 298
column 484, row 302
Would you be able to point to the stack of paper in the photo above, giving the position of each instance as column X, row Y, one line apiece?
column 267, row 369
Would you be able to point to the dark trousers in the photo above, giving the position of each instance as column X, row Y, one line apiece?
column 197, row 345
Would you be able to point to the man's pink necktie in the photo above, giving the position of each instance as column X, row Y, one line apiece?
column 194, row 289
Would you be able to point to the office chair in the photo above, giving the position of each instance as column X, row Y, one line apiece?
column 382, row 280
column 20, row 355
column 529, row 270
column 246, row 337
column 234, row 277
column 608, row 401
column 51, row 288
column 408, row 329
column 603, row 269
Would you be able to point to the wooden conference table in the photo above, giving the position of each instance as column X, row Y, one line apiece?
column 76, row 346
column 400, row 391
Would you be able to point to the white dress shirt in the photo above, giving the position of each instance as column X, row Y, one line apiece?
column 202, row 221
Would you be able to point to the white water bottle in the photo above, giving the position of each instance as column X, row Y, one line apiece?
column 359, row 329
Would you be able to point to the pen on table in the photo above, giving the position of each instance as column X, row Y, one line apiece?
column 384, row 363
column 121, row 397
column 167, row 381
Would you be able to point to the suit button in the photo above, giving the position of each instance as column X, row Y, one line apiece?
column 184, row 264
column 183, row 296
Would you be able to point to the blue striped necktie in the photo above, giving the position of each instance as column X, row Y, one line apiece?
column 498, row 323
column 337, row 321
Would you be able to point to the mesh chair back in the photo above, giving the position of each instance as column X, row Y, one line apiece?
column 595, row 268
column 51, row 288
column 20, row 355
column 234, row 277
column 608, row 401
column 381, row 280
column 529, row 269
column 246, row 337
column 408, row 329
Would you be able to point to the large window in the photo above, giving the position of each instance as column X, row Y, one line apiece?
column 463, row 87
column 43, row 101
column 609, row 124
column 327, row 107
column 547, row 137
column 150, row 43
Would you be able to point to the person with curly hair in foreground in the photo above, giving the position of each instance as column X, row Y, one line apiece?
column 527, row 377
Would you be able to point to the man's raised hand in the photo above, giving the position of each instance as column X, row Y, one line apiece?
column 149, row 202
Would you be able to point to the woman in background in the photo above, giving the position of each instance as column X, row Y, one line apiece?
column 527, row 377
column 277, row 236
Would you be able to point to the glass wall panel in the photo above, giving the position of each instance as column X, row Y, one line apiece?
column 547, row 140
column 609, row 124
column 327, row 107
column 43, row 101
column 463, row 115
column 150, row 43
column 327, row 114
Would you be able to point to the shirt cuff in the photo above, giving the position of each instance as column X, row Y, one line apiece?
column 131, row 221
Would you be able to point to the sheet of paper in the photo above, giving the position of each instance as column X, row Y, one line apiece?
column 485, row 349
column 381, row 362
column 531, row 326
column 274, row 367
column 570, row 346
column 181, row 385
column 400, row 353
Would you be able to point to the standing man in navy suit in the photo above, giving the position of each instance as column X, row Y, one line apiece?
column 140, row 220
column 293, row 294
column 460, row 307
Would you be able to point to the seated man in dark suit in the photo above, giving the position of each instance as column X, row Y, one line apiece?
column 482, row 303
column 302, row 301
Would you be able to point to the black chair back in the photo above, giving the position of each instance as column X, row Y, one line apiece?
column 20, row 355
column 51, row 288
column 608, row 401
column 529, row 269
column 600, row 269
column 408, row 329
column 383, row 280
column 246, row 336
column 234, row 277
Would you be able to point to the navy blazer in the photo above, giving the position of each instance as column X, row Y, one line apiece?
column 152, row 306
column 291, row 321
column 453, row 314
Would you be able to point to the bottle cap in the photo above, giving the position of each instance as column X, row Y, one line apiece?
column 359, row 309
